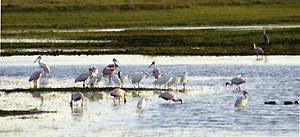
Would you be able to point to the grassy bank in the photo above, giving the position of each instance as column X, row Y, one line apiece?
column 47, row 15
column 155, row 42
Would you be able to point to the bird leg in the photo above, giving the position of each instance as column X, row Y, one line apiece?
column 82, row 102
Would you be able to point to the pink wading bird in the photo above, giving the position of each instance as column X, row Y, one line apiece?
column 45, row 67
column 236, row 81
column 35, row 76
column 85, row 76
column 258, row 50
column 156, row 71
column 168, row 95
column 76, row 97
column 241, row 101
column 110, row 69
column 118, row 93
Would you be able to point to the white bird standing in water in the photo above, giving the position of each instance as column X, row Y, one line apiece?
column 141, row 104
column 94, row 81
column 123, row 78
column 175, row 80
column 45, row 67
column 184, row 79
column 116, row 80
column 138, row 77
column 241, row 101
column 76, row 97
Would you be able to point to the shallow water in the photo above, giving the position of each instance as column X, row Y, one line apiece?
column 208, row 109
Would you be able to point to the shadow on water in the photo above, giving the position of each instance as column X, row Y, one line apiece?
column 77, row 113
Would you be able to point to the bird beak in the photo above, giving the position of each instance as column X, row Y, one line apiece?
column 151, row 64
column 36, row 59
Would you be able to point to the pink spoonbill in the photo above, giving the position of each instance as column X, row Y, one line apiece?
column 156, row 71
column 258, row 50
column 76, row 97
column 110, row 69
column 35, row 76
column 118, row 93
column 241, row 101
column 84, row 77
column 45, row 67
column 168, row 95
column 236, row 81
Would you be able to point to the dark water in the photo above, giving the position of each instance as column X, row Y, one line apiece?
column 208, row 109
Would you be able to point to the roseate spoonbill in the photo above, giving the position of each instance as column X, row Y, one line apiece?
column 265, row 37
column 45, row 67
column 175, row 80
column 95, row 80
column 76, row 97
column 118, row 93
column 241, row 101
column 236, row 81
column 156, row 71
column 141, row 104
column 138, row 77
column 84, row 77
column 184, row 78
column 123, row 78
column 110, row 69
column 168, row 95
column 116, row 80
column 258, row 50
column 35, row 76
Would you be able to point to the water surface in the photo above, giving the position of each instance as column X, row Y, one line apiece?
column 208, row 109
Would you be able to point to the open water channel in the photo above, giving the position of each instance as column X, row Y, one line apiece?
column 207, row 110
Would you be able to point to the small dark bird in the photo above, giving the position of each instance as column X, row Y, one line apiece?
column 270, row 102
column 291, row 102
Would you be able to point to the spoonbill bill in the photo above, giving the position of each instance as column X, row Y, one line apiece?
column 168, row 95
column 141, row 104
column 156, row 71
column 184, row 78
column 138, row 77
column 45, row 67
column 35, row 76
column 110, row 69
column 265, row 37
column 241, row 101
column 236, row 81
column 76, row 97
column 84, row 77
column 118, row 93
column 258, row 50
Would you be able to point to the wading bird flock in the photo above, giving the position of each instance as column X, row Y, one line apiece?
column 161, row 80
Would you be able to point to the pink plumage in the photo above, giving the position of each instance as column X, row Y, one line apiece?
column 109, row 69
column 156, row 73
column 167, row 95
column 35, row 76
column 118, row 93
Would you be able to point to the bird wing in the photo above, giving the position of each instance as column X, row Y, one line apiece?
column 240, row 102
column 35, row 75
column 156, row 73
column 82, row 77
column 183, row 79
